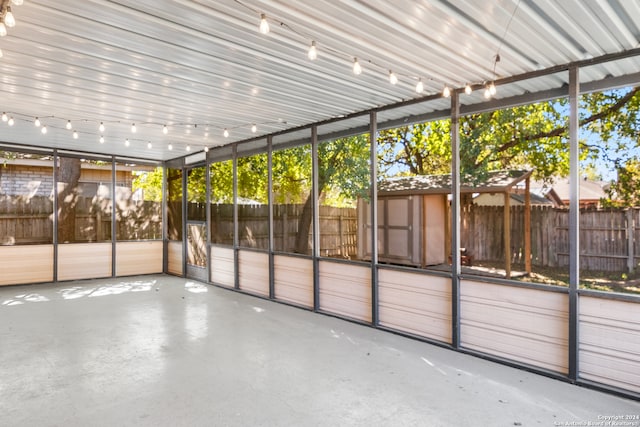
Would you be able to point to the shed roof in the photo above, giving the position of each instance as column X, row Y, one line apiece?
column 494, row 182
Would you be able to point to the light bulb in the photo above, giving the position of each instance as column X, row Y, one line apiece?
column 313, row 52
column 101, row 127
column 165, row 130
column 206, row 149
column 467, row 89
column 487, row 92
column 101, row 139
column 170, row 147
column 492, row 89
column 357, row 69
column 44, row 130
column 3, row 29
column 133, row 128
column 149, row 146
column 11, row 121
column 75, row 134
column 206, row 134
column 419, row 86
column 69, row 124
column 17, row 2
column 225, row 133
column 1, row 54
column 264, row 25
column 254, row 128
column 188, row 148
column 4, row 117
column 393, row 79
column 126, row 142
column 446, row 92
column 9, row 20
column 36, row 122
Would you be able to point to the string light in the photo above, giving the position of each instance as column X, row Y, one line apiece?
column 467, row 89
column 357, row 69
column 5, row 117
column 3, row 28
column 225, row 133
column 492, row 88
column 43, row 130
column 133, row 128
column 446, row 92
column 17, row 2
column 36, row 122
column 126, row 142
column 101, row 127
column 170, row 147
column 9, row 19
column 188, row 148
column 206, row 149
column 68, row 124
column 254, row 128
column 1, row 54
column 393, row 79
column 264, row 25
column 101, row 139
column 11, row 121
column 420, row 86
column 165, row 130
column 487, row 92
column 75, row 134
column 313, row 52
column 149, row 146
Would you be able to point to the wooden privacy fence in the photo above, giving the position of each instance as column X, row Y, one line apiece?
column 609, row 238
column 26, row 220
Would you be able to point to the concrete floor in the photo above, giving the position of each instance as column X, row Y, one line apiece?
column 165, row 351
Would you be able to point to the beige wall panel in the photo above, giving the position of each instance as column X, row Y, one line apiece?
column 222, row 266
column 253, row 272
column 17, row 264
column 346, row 290
column 415, row 303
column 434, row 229
column 520, row 324
column 610, row 342
column 174, row 255
column 293, row 279
column 84, row 261
column 138, row 258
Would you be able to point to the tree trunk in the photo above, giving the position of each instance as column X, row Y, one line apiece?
column 304, row 226
column 68, row 177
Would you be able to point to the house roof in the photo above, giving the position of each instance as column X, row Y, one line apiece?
column 589, row 189
column 494, row 182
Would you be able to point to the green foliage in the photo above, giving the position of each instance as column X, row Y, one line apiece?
column 343, row 170
column 625, row 192
column 150, row 183
column 253, row 178
column 292, row 174
column 221, row 176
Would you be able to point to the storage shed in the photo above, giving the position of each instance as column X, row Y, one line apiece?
column 414, row 217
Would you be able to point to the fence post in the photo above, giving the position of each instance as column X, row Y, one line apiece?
column 630, row 242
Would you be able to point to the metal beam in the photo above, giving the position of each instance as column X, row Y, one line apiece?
column 373, row 146
column 315, row 194
column 272, row 286
column 455, row 220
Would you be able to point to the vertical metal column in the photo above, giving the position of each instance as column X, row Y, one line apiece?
column 55, row 215
column 455, row 219
column 113, row 217
column 207, row 177
column 373, row 143
column 574, row 219
column 316, row 220
column 165, row 219
column 236, row 240
column 272, row 286
column 185, row 230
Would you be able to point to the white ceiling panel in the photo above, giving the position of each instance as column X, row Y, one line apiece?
column 200, row 67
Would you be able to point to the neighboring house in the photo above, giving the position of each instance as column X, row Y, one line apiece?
column 495, row 199
column 591, row 192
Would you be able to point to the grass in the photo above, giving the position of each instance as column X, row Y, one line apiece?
column 559, row 276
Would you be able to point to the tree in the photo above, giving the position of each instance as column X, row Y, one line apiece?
column 625, row 191
column 68, row 178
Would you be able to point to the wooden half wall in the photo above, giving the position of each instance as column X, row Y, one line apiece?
column 253, row 272
column 293, row 277
column 26, row 264
column 609, row 342
column 416, row 303
column 345, row 289
column 84, row 260
column 521, row 324
column 174, row 257
column 138, row 257
column 223, row 266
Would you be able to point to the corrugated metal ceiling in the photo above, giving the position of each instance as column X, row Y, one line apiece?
column 203, row 66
